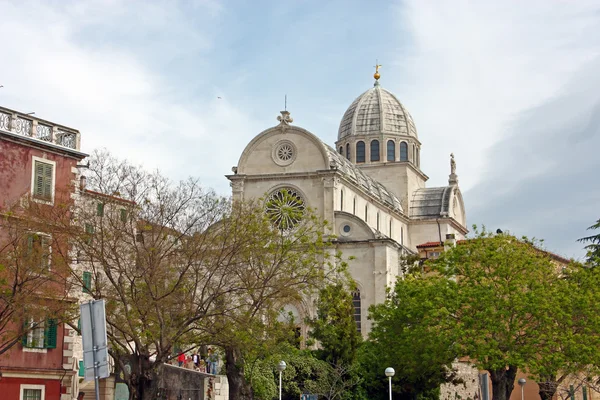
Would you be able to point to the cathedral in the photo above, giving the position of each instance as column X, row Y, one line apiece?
column 370, row 187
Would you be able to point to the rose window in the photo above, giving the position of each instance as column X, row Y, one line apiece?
column 285, row 152
column 285, row 208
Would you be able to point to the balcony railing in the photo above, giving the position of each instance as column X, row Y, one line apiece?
column 26, row 125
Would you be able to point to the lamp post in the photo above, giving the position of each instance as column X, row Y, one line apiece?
column 522, row 383
column 389, row 372
column 280, row 367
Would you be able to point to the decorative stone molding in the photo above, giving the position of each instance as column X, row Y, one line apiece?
column 237, row 185
column 331, row 181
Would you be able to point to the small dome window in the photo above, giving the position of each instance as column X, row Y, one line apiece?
column 348, row 151
column 360, row 152
column 391, row 150
column 374, row 150
column 403, row 151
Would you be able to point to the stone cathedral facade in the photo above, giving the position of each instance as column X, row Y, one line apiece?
column 369, row 186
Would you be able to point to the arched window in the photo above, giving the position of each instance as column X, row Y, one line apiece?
column 342, row 150
column 342, row 200
column 360, row 151
column 356, row 306
column 366, row 213
column 403, row 151
column 374, row 150
column 377, row 220
column 348, row 151
column 391, row 150
column 354, row 206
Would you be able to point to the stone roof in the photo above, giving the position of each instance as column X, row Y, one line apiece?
column 431, row 202
column 376, row 111
column 370, row 185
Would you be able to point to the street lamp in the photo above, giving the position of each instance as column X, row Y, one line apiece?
column 389, row 372
column 280, row 367
column 522, row 383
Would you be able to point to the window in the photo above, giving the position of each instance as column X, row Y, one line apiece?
column 401, row 235
column 342, row 150
column 341, row 200
column 414, row 153
column 390, row 227
column 32, row 392
column 366, row 212
column 38, row 250
column 348, row 151
column 123, row 215
column 403, row 151
column 356, row 306
column 100, row 209
column 360, row 151
column 43, row 179
column 391, row 150
column 374, row 150
column 418, row 158
column 87, row 281
column 354, row 206
column 89, row 230
column 378, row 221
column 433, row 254
column 40, row 334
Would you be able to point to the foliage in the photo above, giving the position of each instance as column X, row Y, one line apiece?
column 593, row 245
column 412, row 332
column 495, row 299
column 178, row 264
column 304, row 374
column 33, row 286
column 334, row 327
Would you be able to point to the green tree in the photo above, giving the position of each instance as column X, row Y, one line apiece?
column 334, row 326
column 593, row 245
column 570, row 337
column 413, row 332
column 496, row 299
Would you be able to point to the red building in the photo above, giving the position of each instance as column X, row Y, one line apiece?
column 38, row 162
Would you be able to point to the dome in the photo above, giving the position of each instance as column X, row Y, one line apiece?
column 376, row 111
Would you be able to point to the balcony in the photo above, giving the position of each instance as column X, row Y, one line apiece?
column 39, row 129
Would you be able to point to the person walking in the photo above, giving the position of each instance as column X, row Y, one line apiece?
column 212, row 361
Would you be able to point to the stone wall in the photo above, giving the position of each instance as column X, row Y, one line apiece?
column 175, row 383
column 463, row 391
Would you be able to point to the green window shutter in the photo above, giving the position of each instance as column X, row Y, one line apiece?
column 50, row 333
column 48, row 181
column 87, row 281
column 123, row 215
column 100, row 209
column 81, row 368
column 89, row 230
column 44, row 251
column 79, row 324
column 24, row 337
column 43, row 180
column 38, row 179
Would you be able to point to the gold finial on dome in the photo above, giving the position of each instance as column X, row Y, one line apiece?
column 376, row 75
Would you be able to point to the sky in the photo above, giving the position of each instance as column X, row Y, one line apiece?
column 510, row 87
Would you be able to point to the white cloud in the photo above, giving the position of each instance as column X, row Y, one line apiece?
column 473, row 66
column 111, row 92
